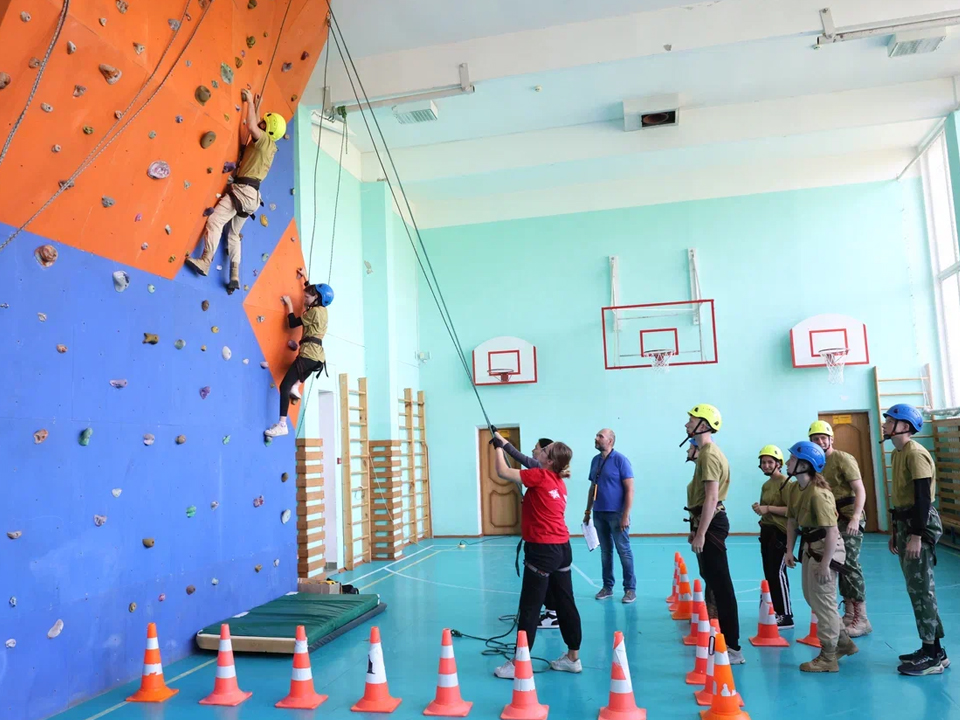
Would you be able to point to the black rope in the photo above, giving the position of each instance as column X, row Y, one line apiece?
column 494, row 646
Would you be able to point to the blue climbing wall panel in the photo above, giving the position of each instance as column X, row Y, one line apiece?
column 64, row 566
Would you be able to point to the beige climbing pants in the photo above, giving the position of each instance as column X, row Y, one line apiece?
column 822, row 598
column 226, row 212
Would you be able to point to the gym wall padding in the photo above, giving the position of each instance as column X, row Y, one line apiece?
column 64, row 566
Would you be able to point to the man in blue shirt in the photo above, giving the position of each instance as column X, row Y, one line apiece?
column 610, row 498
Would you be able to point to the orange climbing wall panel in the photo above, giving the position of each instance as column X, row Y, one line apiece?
column 168, row 128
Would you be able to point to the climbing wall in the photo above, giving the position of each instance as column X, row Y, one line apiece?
column 137, row 484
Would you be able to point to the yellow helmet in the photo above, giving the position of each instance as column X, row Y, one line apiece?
column 820, row 427
column 772, row 451
column 708, row 413
column 276, row 125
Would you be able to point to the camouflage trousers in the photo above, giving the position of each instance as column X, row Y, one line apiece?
column 919, row 577
column 851, row 583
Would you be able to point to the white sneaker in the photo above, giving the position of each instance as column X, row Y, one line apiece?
column 295, row 392
column 505, row 671
column 276, row 431
column 735, row 656
column 548, row 621
column 565, row 664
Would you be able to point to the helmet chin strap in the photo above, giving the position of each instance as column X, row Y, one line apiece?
column 895, row 433
column 802, row 468
column 696, row 432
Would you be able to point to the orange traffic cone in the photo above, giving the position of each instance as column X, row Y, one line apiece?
column 376, row 695
column 685, row 605
column 524, row 705
column 698, row 675
column 448, row 702
column 691, row 639
column 726, row 700
column 705, row 696
column 768, row 633
column 811, row 639
column 302, row 695
column 152, row 687
column 673, row 597
column 225, row 688
column 621, row 705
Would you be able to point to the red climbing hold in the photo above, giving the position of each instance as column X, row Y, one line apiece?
column 39, row 436
column 46, row 255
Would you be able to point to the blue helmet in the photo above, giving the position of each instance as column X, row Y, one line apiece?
column 908, row 413
column 810, row 452
column 693, row 442
column 324, row 292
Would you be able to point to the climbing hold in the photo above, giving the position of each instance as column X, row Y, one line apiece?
column 214, row 329
column 265, row 256
column 172, row 258
column 148, row 439
column 55, row 630
column 5, row 306
column 203, row 348
column 122, row 6
column 204, row 392
column 273, row 206
column 181, row 439
column 168, row 230
column 246, row 361
column 202, row 94
column 179, row 119
column 265, row 33
column 46, row 107
column 191, row 589
column 251, row 41
column 85, row 437
column 191, row 511
column 132, row 607
column 103, row 22
column 285, row 517
column 25, row 16
column 4, row 80
column 34, row 63
column 152, row 134
column 174, row 24
column 14, row 534
column 65, row 184
column 205, row 305
column 71, row 48
column 226, row 439
column 107, row 201
column 13, row 602
column 286, row 67
column 293, row 191
column 264, row 364
column 42, row 317
column 150, row 339
column 268, row 441
column 229, row 167
column 293, row 98
column 39, row 436
column 148, row 542
column 215, row 84
column 226, row 73
column 161, row 597
column 238, row 62
column 258, row 501
column 207, row 212
column 276, row 563
column 260, row 318
column 110, row 73
column 116, row 492
column 118, row 384
column 180, row 344
column 79, row 90
column 210, row 172
column 214, row 505
column 207, row 139
column 292, row 344
column 214, row 581
column 138, row 48
column 257, row 568
column 118, row 114
column 226, row 352
column 99, row 520
column 158, row 170
column 251, row 4
column 61, row 349
column 151, row 288
column 121, row 281
column 46, row 255
column 138, row 218
column 187, row 63
column 55, row 148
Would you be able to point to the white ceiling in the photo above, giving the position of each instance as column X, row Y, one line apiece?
column 754, row 95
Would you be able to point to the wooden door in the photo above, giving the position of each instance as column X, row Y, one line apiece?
column 852, row 434
column 499, row 499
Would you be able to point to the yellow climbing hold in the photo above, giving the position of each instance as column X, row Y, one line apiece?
column 263, row 220
column 148, row 542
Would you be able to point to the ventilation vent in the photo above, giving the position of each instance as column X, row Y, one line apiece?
column 420, row 112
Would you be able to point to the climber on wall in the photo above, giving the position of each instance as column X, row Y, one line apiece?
column 242, row 197
column 316, row 299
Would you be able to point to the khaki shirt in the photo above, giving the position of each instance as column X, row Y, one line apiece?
column 712, row 466
column 257, row 158
column 911, row 463
column 776, row 492
column 840, row 469
column 314, row 325
column 812, row 507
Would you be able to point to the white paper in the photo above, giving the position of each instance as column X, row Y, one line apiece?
column 590, row 535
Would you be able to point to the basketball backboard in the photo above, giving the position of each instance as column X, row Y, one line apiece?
column 635, row 335
column 811, row 338
column 504, row 360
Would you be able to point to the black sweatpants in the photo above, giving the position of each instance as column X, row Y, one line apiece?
column 716, row 574
column 298, row 372
column 547, row 567
column 773, row 547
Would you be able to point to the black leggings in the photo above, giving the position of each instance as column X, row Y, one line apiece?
column 548, row 567
column 773, row 547
column 716, row 574
column 298, row 372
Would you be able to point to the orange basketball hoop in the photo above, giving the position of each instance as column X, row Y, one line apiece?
column 661, row 359
column 503, row 374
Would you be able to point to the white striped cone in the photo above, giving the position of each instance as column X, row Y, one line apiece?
column 302, row 695
column 524, row 705
column 448, row 702
column 376, row 694
column 697, row 676
column 622, row 704
column 225, row 689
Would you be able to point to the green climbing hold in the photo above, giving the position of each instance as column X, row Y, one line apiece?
column 87, row 130
column 238, row 62
column 85, row 436
column 268, row 441
column 251, row 40
column 265, row 256
column 191, row 511
column 180, row 344
column 226, row 73
column 152, row 134
column 226, row 439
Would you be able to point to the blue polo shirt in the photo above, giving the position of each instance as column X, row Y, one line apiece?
column 612, row 473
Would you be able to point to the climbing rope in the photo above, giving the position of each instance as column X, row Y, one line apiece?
column 104, row 143
column 336, row 199
column 316, row 158
column 36, row 82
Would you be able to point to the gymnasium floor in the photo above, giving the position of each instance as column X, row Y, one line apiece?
column 438, row 585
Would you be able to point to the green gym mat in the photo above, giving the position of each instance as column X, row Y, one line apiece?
column 271, row 627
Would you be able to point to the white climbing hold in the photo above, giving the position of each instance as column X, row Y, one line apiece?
column 15, row 534
column 246, row 361
column 121, row 281
column 116, row 492
column 151, row 289
column 42, row 317
column 55, row 630
column 167, row 230
column 214, row 505
column 55, row 148
column 174, row 24
column 11, row 643
column 138, row 48
column 99, row 520
column 71, row 48
column 276, row 563
column 264, row 364
column 118, row 384
column 13, row 601
column 285, row 517
column 148, row 439
column 144, row 246
column 227, row 354
column 47, row 108
column 214, row 581
column 25, row 16
column 273, row 206
column 107, row 201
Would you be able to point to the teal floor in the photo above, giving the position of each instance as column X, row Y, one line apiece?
column 438, row 585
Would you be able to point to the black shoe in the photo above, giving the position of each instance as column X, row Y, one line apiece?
column 924, row 665
column 944, row 660
column 912, row 657
column 232, row 286
column 785, row 622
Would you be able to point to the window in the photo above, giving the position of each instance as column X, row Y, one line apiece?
column 941, row 221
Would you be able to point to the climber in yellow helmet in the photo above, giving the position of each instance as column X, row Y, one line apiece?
column 242, row 197
column 772, row 509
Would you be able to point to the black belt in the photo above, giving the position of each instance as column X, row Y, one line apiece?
column 695, row 511
column 812, row 536
column 905, row 515
column 843, row 502
column 237, row 203
column 252, row 182
column 314, row 340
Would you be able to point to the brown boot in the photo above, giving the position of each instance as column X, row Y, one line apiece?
column 200, row 265
column 861, row 624
column 824, row 662
column 234, row 283
column 848, row 613
column 846, row 646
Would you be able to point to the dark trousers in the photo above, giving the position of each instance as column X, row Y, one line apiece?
column 716, row 574
column 298, row 372
column 546, row 568
column 773, row 547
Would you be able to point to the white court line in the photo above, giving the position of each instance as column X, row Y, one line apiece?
column 584, row 576
column 374, row 572
column 748, row 590
column 455, row 587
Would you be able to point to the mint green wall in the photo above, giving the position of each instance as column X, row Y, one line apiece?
column 768, row 260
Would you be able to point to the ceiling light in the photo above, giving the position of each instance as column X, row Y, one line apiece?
column 916, row 42
column 419, row 112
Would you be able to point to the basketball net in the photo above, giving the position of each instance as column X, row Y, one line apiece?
column 661, row 359
column 835, row 359
column 502, row 374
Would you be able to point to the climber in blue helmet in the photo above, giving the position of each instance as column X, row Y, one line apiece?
column 311, row 358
